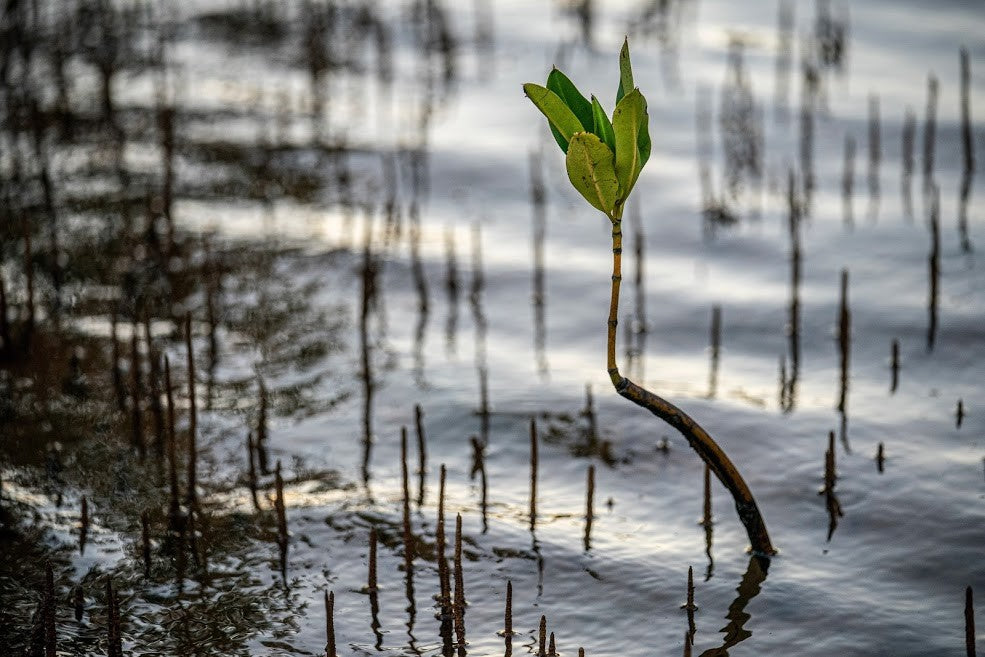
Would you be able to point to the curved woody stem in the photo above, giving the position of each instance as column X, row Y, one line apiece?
column 696, row 436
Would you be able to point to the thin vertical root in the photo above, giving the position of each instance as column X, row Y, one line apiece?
column 330, row 624
column 533, row 474
column 459, row 605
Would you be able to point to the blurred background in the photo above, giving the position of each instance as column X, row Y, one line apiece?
column 245, row 243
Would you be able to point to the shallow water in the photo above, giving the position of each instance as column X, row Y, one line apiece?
column 422, row 152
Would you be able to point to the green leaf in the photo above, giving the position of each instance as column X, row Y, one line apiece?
column 591, row 170
column 559, row 83
column 602, row 127
column 629, row 116
column 561, row 141
column 644, row 139
column 560, row 117
column 625, row 72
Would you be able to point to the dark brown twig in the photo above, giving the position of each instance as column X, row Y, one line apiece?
column 689, row 604
column 969, row 622
column 261, row 435
column 145, row 542
column 251, row 472
column 78, row 603
column 405, row 480
column 444, row 578
column 192, row 418
column 589, row 506
column 48, row 611
column 6, row 345
column 174, row 506
column 281, row 510
column 114, row 633
column 154, row 385
column 83, row 525
column 330, row 624
column 459, row 605
column 508, row 620
column 136, row 396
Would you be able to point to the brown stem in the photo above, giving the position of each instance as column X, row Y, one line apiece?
column 192, row 418
column 330, row 624
column 696, row 436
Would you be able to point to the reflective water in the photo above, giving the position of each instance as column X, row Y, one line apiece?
column 362, row 213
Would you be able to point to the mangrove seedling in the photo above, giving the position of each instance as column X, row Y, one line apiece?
column 604, row 158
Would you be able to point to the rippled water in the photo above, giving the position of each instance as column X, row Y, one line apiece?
column 422, row 225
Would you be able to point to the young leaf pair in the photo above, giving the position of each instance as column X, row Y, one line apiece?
column 603, row 157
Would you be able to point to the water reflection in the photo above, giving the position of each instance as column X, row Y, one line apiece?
column 538, row 203
column 848, row 182
column 481, row 328
column 844, row 343
column 831, row 36
column 809, row 91
column 875, row 155
column 663, row 21
column 583, row 13
column 375, row 625
column 485, row 36
column 715, row 208
column 714, row 350
column 98, row 241
column 930, row 133
column 369, row 291
column 451, row 290
column 741, row 127
column 964, row 196
column 422, row 466
column 707, row 522
column 831, row 502
column 639, row 326
column 735, row 631
column 421, row 287
column 968, row 148
column 894, row 366
column 788, row 382
column 784, row 50
column 907, row 160
column 479, row 467
column 264, row 332
column 933, row 267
